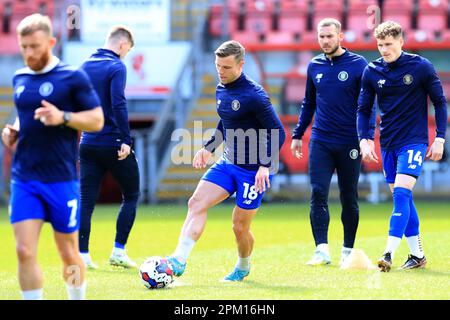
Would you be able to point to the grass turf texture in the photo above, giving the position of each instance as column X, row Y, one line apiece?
column 283, row 243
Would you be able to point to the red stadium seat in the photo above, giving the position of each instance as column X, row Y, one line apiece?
column 216, row 21
column 295, row 89
column 432, row 16
column 400, row 11
column 360, row 21
column 373, row 166
column 327, row 9
column 293, row 16
column 9, row 44
column 431, row 132
column 294, row 165
column 247, row 37
column 258, row 16
column 279, row 37
column 445, row 79
column 360, row 5
column 234, row 5
column 310, row 37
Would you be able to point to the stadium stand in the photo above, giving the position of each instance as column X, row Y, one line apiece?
column 400, row 11
column 327, row 9
column 293, row 16
column 11, row 12
column 275, row 21
column 360, row 19
column 291, row 164
column 432, row 17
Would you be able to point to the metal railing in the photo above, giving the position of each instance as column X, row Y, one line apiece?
column 173, row 115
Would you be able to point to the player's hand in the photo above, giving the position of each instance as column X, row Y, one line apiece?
column 436, row 151
column 296, row 148
column 201, row 158
column 262, row 179
column 368, row 153
column 49, row 114
column 124, row 151
column 9, row 135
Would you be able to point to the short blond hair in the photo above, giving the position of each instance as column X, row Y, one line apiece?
column 388, row 28
column 231, row 48
column 328, row 22
column 121, row 31
column 33, row 23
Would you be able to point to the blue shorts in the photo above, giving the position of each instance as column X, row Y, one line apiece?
column 236, row 179
column 56, row 203
column 405, row 160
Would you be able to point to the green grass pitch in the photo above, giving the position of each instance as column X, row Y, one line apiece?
column 283, row 244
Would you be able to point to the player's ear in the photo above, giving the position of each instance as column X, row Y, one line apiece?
column 52, row 41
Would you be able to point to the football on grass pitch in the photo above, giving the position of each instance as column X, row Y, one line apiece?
column 156, row 273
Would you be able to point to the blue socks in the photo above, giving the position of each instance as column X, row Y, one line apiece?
column 412, row 228
column 402, row 211
column 118, row 245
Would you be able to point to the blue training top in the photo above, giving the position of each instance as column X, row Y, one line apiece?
column 332, row 91
column 402, row 88
column 49, row 153
column 109, row 75
column 248, row 124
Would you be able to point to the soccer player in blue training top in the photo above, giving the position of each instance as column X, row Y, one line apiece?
column 332, row 89
column 402, row 83
column 253, row 135
column 53, row 101
column 110, row 149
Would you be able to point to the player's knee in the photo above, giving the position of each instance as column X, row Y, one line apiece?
column 131, row 198
column 69, row 256
column 25, row 253
column 349, row 202
column 131, row 195
column 240, row 229
column 319, row 195
column 196, row 205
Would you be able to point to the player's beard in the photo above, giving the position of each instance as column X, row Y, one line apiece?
column 333, row 51
column 38, row 63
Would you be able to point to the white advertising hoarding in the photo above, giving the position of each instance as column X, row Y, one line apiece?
column 148, row 19
column 151, row 70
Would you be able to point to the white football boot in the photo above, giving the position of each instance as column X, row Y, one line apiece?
column 121, row 259
column 90, row 265
column 345, row 253
column 319, row 258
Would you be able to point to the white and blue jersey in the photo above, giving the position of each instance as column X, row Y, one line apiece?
column 402, row 89
column 44, row 174
column 250, row 129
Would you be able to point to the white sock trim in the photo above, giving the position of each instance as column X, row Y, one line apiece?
column 243, row 263
column 184, row 248
column 415, row 246
column 37, row 294
column 392, row 245
column 77, row 293
column 118, row 251
column 323, row 247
